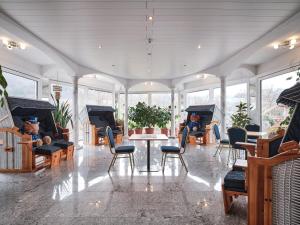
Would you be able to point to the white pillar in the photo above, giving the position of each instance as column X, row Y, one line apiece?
column 117, row 103
column 75, row 111
column 126, row 113
column 172, row 112
column 223, row 105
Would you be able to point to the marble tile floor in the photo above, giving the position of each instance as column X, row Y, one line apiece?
column 82, row 192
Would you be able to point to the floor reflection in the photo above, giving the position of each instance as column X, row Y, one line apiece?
column 83, row 192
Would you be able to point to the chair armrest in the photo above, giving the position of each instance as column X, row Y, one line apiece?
column 26, row 142
column 251, row 148
column 288, row 146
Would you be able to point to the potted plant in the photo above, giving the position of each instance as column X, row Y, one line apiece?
column 136, row 115
column 163, row 118
column 240, row 118
column 150, row 118
column 131, row 126
column 62, row 113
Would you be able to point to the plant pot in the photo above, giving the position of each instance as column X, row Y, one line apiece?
column 138, row 130
column 130, row 132
column 149, row 130
column 165, row 131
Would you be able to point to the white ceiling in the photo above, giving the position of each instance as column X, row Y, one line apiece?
column 222, row 27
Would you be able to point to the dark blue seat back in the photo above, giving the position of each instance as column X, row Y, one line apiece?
column 252, row 127
column 274, row 146
column 236, row 134
column 185, row 133
column 217, row 132
column 110, row 136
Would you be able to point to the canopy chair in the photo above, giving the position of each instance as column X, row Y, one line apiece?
column 17, row 151
column 199, row 120
column 95, row 119
column 273, row 172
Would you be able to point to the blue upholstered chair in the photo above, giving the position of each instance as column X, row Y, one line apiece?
column 255, row 128
column 119, row 150
column 236, row 134
column 234, row 185
column 171, row 150
column 221, row 142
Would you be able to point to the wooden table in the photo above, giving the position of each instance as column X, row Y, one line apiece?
column 148, row 138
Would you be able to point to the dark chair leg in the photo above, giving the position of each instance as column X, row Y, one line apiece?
column 133, row 159
column 164, row 163
column 130, row 159
column 115, row 160
column 112, row 162
column 217, row 150
column 162, row 159
column 183, row 163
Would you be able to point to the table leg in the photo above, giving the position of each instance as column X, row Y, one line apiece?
column 148, row 155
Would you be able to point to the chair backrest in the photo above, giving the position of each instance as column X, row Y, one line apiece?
column 236, row 134
column 252, row 127
column 217, row 132
column 185, row 133
column 110, row 137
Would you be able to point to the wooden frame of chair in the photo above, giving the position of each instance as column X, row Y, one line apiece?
column 96, row 140
column 115, row 155
column 260, row 183
column 23, row 144
column 165, row 155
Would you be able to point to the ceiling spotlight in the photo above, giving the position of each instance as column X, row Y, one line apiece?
column 199, row 46
column 100, row 46
column 151, row 83
column 10, row 45
column 276, row 46
column 290, row 44
column 150, row 18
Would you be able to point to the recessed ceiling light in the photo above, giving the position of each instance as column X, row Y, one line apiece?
column 100, row 46
column 275, row 45
column 150, row 18
column 199, row 46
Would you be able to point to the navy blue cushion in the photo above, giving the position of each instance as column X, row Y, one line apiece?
column 184, row 137
column 125, row 149
column 171, row 149
column 235, row 181
column 62, row 143
column 46, row 149
column 252, row 141
column 224, row 141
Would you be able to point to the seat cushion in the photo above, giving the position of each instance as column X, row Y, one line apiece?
column 62, row 143
column 197, row 133
column 172, row 149
column 46, row 149
column 224, row 141
column 235, row 181
column 125, row 149
column 252, row 141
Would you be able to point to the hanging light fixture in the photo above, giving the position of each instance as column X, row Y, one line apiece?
column 290, row 44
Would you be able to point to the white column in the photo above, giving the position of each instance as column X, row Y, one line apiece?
column 117, row 103
column 223, row 105
column 126, row 113
column 172, row 112
column 75, row 112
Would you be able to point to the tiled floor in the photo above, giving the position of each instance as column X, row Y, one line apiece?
column 83, row 192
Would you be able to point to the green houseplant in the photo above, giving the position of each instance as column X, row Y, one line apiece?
column 136, row 114
column 3, row 86
column 62, row 113
column 131, row 126
column 163, row 118
column 240, row 118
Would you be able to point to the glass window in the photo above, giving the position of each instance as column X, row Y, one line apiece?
column 234, row 95
column 161, row 99
column 271, row 113
column 217, row 97
column 20, row 87
column 197, row 98
column 99, row 98
column 133, row 99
